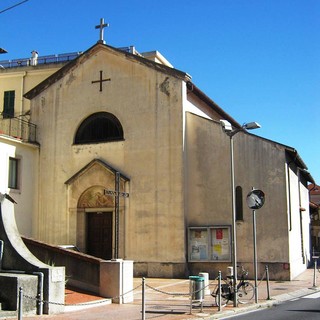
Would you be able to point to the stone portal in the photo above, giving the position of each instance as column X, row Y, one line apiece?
column 97, row 200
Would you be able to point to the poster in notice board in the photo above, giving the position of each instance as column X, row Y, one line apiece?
column 220, row 244
column 198, row 244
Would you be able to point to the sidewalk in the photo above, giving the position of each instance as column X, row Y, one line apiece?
column 163, row 306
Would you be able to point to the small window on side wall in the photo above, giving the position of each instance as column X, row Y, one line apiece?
column 239, row 204
column 13, row 176
column 8, row 104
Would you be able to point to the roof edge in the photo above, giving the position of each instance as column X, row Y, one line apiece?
column 294, row 154
column 202, row 96
column 73, row 63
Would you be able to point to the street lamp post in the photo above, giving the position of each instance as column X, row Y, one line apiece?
column 230, row 131
column 255, row 200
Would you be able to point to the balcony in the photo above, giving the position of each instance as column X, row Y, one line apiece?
column 18, row 128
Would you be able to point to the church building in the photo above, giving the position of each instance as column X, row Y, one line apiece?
column 130, row 161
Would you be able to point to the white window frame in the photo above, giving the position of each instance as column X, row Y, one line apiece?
column 17, row 178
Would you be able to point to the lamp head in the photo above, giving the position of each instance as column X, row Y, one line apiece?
column 226, row 125
column 251, row 125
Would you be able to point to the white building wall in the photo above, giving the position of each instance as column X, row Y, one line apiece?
column 306, row 221
column 26, row 195
column 299, row 234
column 190, row 107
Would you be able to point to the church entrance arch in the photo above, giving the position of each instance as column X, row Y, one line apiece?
column 97, row 220
column 97, row 200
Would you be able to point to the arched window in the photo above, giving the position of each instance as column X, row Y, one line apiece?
column 99, row 127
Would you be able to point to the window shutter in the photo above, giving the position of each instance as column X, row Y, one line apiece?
column 8, row 104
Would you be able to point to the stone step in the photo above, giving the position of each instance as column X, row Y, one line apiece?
column 7, row 314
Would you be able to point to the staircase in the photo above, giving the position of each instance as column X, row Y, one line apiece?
column 19, row 268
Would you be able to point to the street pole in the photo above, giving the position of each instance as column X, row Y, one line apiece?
column 234, row 230
column 255, row 200
column 227, row 127
column 255, row 256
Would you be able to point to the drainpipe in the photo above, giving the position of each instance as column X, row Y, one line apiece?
column 23, row 111
column 39, row 292
column 1, row 253
column 289, row 195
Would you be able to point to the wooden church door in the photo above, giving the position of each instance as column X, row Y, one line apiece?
column 99, row 234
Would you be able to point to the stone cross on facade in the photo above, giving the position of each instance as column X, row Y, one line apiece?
column 101, row 26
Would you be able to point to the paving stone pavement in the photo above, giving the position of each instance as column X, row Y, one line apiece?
column 167, row 299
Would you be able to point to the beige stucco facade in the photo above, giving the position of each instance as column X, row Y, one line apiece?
column 145, row 102
column 21, row 80
column 174, row 165
column 282, row 223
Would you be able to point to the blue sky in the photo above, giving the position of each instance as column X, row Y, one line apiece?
column 259, row 60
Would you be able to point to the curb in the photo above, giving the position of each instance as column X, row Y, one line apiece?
column 260, row 305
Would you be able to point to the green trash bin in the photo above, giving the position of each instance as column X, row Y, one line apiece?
column 197, row 288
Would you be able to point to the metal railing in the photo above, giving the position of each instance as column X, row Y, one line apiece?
column 174, row 302
column 55, row 58
column 18, row 128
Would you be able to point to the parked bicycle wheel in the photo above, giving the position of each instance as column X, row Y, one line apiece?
column 245, row 292
column 225, row 295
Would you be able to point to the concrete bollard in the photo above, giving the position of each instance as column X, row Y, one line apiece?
column 205, row 275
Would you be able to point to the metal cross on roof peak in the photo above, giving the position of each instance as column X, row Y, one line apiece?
column 101, row 26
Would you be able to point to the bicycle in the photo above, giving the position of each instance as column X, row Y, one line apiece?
column 245, row 290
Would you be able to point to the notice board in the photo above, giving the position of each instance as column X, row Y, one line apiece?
column 209, row 243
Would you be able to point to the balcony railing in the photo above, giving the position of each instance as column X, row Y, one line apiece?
column 23, row 62
column 54, row 58
column 18, row 128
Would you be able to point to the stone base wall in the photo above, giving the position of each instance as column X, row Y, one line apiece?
column 277, row 271
column 159, row 270
column 10, row 284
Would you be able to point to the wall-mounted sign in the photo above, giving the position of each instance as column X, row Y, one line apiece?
column 209, row 244
column 116, row 193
